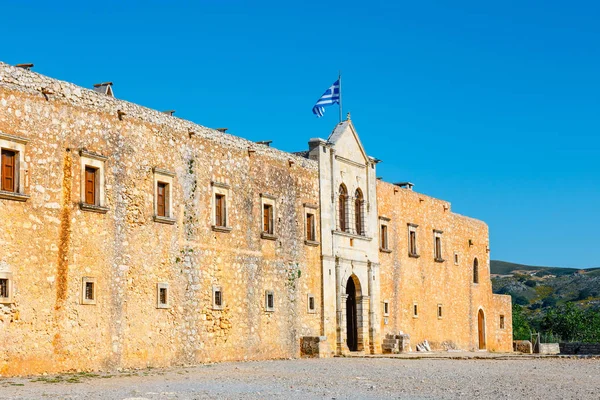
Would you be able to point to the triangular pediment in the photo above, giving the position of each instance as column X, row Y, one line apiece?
column 347, row 144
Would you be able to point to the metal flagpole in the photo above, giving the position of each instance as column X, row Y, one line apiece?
column 340, row 81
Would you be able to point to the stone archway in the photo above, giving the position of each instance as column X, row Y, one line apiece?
column 481, row 329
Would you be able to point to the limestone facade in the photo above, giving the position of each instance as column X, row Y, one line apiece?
column 132, row 238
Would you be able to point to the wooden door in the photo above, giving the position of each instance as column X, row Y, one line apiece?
column 481, row 326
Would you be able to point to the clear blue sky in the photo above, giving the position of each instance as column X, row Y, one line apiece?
column 495, row 108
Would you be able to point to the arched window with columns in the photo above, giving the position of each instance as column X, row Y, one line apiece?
column 359, row 213
column 343, row 208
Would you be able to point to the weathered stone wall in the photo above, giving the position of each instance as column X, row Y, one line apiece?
column 406, row 281
column 49, row 244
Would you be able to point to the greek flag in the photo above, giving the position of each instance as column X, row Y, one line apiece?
column 331, row 96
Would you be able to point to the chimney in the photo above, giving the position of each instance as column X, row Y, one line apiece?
column 405, row 185
column 169, row 112
column 104, row 88
column 25, row 66
column 265, row 142
column 222, row 130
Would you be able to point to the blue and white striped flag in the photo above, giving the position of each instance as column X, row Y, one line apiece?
column 331, row 96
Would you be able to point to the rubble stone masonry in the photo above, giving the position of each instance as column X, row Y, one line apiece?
column 85, row 281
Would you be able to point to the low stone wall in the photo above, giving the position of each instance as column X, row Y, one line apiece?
column 580, row 348
column 548, row 348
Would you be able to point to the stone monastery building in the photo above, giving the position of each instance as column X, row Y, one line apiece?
column 132, row 238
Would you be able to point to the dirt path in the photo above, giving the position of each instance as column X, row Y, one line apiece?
column 339, row 378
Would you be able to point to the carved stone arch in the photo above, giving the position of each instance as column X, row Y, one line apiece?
column 353, row 291
column 359, row 212
column 343, row 206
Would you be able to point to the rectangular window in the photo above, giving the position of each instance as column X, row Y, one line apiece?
column 439, row 312
column 268, row 219
column 161, row 199
column 384, row 237
column 412, row 240
column 162, row 295
column 3, row 288
column 217, row 298
column 502, row 322
column 386, row 308
column 88, row 291
column 9, row 166
column 456, row 258
column 90, row 185
column 310, row 227
column 269, row 301
column 437, row 246
column 312, row 307
column 220, row 210
column 415, row 310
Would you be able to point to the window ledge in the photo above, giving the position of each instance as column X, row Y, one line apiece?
column 6, row 300
column 270, row 310
column 381, row 249
column 224, row 229
column 311, row 243
column 93, row 208
column 218, row 308
column 439, row 260
column 164, row 220
column 351, row 235
column 13, row 196
column 163, row 307
column 268, row 236
column 413, row 255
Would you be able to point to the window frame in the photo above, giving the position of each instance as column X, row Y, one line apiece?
column 84, row 281
column 17, row 145
column 267, row 200
column 384, row 240
column 216, row 306
column 160, row 286
column 221, row 189
column 165, row 177
column 8, row 276
column 310, row 209
column 310, row 310
column 413, row 251
column 440, row 311
column 415, row 310
column 343, row 214
column 475, row 277
column 359, row 213
column 96, row 161
column 437, row 238
column 269, row 294
column 386, row 308
column 502, row 322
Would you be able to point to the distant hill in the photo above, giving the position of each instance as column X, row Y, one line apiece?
column 508, row 268
column 539, row 288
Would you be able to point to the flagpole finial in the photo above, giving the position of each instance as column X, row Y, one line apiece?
column 348, row 117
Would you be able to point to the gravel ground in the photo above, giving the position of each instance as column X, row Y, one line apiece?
column 338, row 378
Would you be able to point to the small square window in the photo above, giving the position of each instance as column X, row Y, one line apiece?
column 88, row 291
column 269, row 301
column 415, row 310
column 386, row 308
column 221, row 201
column 92, row 182
column 218, row 302
column 502, row 322
column 439, row 311
column 162, row 295
column 5, row 288
column 312, row 306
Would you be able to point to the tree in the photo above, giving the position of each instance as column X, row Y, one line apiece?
column 521, row 328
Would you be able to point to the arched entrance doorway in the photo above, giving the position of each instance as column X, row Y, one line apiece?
column 481, row 325
column 351, row 316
